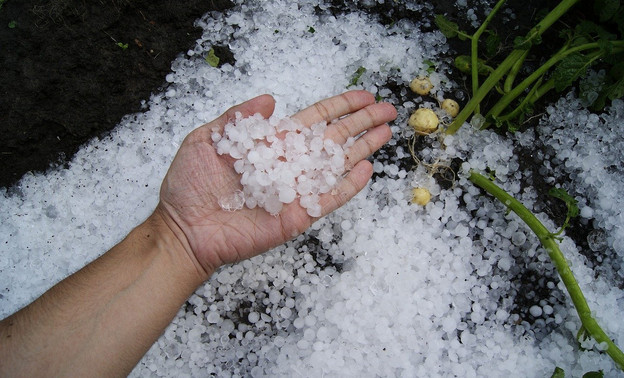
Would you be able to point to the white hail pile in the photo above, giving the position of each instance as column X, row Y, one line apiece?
column 377, row 288
column 280, row 160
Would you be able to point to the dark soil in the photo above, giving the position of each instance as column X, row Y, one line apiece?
column 67, row 75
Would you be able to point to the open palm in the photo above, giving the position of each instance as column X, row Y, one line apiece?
column 198, row 177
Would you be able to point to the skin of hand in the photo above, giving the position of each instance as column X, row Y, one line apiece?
column 101, row 320
column 198, row 177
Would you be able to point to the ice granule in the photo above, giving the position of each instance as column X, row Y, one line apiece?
column 275, row 170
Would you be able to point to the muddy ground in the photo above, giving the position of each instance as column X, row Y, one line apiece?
column 72, row 69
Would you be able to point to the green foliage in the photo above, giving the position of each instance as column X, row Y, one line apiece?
column 431, row 66
column 448, row 28
column 594, row 374
column 571, row 204
column 589, row 325
column 356, row 76
column 605, row 9
column 492, row 43
column 12, row 24
column 123, row 46
column 2, row 3
column 211, row 58
column 570, row 69
column 588, row 43
column 311, row 30
column 526, row 42
column 463, row 64
column 558, row 373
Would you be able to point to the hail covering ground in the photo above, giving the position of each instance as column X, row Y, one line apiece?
column 377, row 288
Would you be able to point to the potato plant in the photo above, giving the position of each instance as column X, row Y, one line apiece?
column 590, row 326
column 586, row 44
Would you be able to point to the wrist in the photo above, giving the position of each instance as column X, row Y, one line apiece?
column 170, row 238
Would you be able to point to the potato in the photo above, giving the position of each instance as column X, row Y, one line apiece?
column 424, row 121
column 451, row 107
column 421, row 85
column 420, row 196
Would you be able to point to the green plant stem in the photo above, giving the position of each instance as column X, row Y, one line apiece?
column 513, row 72
column 567, row 277
column 474, row 49
column 542, row 90
column 528, row 99
column 535, row 94
column 506, row 65
column 519, row 89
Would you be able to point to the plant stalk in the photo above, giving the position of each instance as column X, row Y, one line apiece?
column 567, row 277
column 513, row 72
column 519, row 89
column 507, row 64
column 474, row 49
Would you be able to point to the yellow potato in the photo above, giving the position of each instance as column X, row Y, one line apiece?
column 421, row 85
column 420, row 196
column 424, row 121
column 451, row 107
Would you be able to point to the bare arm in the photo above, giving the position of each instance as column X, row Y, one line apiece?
column 101, row 320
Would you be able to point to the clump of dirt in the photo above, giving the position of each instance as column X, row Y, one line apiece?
column 72, row 69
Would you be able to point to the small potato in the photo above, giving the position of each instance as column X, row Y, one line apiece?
column 451, row 107
column 424, row 121
column 420, row 196
column 421, row 85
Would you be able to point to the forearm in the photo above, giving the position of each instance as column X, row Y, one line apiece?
column 111, row 310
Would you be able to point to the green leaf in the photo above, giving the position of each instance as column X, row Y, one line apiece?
column 492, row 42
column 463, row 63
column 525, row 43
column 12, row 24
column 122, row 45
column 569, row 69
column 558, row 373
column 594, row 374
column 431, row 66
column 212, row 59
column 356, row 76
column 605, row 9
column 448, row 28
column 587, row 31
column 616, row 87
column 311, row 29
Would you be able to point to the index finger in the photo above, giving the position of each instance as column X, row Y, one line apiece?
column 335, row 107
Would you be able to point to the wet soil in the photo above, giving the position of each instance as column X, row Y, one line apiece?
column 71, row 69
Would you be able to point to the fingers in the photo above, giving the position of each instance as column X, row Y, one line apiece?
column 335, row 107
column 362, row 120
column 347, row 188
column 367, row 144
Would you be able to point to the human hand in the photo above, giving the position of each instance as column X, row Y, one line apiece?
column 198, row 177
